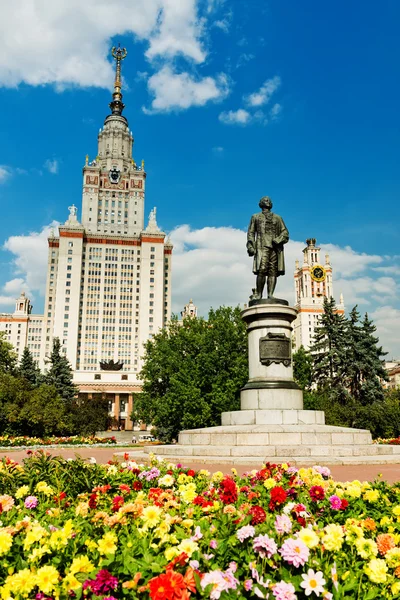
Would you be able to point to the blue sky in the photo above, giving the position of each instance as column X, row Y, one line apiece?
column 228, row 101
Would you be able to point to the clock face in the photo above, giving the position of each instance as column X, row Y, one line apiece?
column 114, row 175
column 318, row 273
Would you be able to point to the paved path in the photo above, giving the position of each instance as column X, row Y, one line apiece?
column 390, row 473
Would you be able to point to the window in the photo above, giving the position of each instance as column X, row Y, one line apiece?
column 124, row 377
column 69, row 251
column 70, row 244
column 97, row 376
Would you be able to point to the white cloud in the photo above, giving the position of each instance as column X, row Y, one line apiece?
column 387, row 320
column 263, row 96
column 29, row 261
column 275, row 111
column 178, row 91
column 67, row 43
column 52, row 165
column 244, row 58
column 6, row 301
column 5, row 173
column 235, row 117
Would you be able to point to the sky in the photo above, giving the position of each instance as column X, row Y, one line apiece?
column 228, row 101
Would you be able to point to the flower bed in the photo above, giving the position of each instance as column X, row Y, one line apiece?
column 393, row 441
column 74, row 530
column 12, row 441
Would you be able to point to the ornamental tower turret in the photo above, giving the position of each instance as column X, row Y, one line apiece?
column 313, row 282
column 113, row 184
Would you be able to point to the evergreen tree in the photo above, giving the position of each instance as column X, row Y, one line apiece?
column 8, row 356
column 355, row 354
column 329, row 348
column 28, row 368
column 373, row 370
column 59, row 374
column 302, row 368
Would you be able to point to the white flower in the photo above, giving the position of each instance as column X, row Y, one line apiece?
column 289, row 507
column 313, row 582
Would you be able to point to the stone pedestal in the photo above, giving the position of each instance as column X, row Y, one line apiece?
column 272, row 424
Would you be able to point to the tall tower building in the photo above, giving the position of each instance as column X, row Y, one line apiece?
column 109, row 277
column 313, row 282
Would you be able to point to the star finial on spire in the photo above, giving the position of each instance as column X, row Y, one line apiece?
column 117, row 106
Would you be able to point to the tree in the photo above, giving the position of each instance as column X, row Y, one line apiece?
column 90, row 414
column 329, row 349
column 60, row 373
column 302, row 368
column 373, row 370
column 192, row 372
column 28, row 368
column 8, row 356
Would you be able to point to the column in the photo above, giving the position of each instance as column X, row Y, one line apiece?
column 116, row 407
column 128, row 421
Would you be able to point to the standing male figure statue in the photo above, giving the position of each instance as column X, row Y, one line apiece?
column 266, row 236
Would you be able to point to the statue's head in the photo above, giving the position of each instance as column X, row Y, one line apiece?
column 265, row 202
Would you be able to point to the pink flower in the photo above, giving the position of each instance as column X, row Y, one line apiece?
column 245, row 532
column 265, row 546
column 336, row 502
column 283, row 524
column 248, row 584
column 213, row 544
column 295, row 552
column 194, row 564
column 284, row 591
column 233, row 566
column 31, row 502
column 197, row 534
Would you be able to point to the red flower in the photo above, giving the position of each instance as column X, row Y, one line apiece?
column 93, row 501
column 278, row 495
column 126, row 456
column 117, row 503
column 317, row 493
column 258, row 515
column 124, row 488
column 228, row 490
column 191, row 473
column 344, row 504
column 137, row 485
column 160, row 588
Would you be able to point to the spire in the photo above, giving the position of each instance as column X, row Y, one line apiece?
column 117, row 106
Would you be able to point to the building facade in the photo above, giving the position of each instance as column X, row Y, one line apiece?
column 22, row 328
column 108, row 284
column 313, row 282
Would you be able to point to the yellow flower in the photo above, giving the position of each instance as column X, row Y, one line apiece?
column 58, row 540
column 37, row 553
column 183, row 478
column 47, row 578
column 170, row 553
column 188, row 546
column 284, row 466
column 333, row 537
column 393, row 557
column 166, row 481
column 187, row 523
column 353, row 490
column 366, row 548
column 395, row 589
column 188, row 492
column 371, row 495
column 5, row 541
column 385, row 521
column 91, row 545
column 151, row 515
column 70, row 582
column 217, row 476
column 44, row 488
column 396, row 510
column 112, row 470
column 34, row 535
column 162, row 529
column 353, row 531
column 22, row 492
column 309, row 537
column 81, row 564
column 23, row 581
column 376, row 570
column 107, row 544
column 269, row 483
column 204, row 473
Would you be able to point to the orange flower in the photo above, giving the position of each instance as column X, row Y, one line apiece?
column 369, row 524
column 385, row 542
column 397, row 572
column 189, row 580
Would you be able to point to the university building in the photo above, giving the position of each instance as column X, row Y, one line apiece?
column 313, row 282
column 108, row 277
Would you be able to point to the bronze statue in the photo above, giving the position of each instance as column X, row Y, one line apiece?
column 266, row 236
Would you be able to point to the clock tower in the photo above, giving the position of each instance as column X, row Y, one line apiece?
column 313, row 282
column 113, row 184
